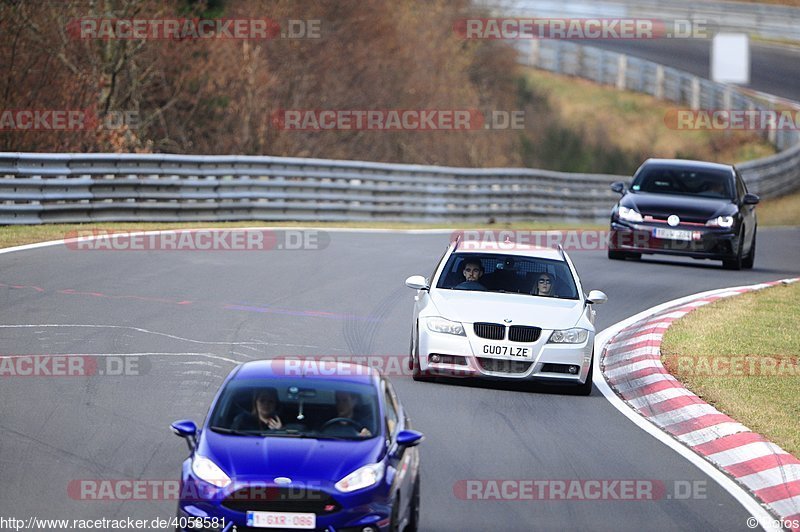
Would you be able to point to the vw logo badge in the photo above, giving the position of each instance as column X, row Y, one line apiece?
column 673, row 220
column 283, row 480
column 507, row 320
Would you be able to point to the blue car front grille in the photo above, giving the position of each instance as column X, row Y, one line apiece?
column 259, row 499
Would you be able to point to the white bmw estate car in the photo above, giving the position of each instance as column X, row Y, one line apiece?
column 500, row 311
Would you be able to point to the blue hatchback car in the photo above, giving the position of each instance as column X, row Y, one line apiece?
column 292, row 447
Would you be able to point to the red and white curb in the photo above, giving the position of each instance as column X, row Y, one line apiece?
column 631, row 364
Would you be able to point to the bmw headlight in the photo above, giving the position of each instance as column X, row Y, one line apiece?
column 363, row 477
column 629, row 215
column 569, row 336
column 720, row 221
column 210, row 472
column 441, row 325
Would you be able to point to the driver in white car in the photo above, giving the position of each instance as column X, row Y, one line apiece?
column 472, row 271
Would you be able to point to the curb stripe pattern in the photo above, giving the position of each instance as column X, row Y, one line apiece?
column 631, row 364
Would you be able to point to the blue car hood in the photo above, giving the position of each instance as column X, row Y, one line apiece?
column 257, row 459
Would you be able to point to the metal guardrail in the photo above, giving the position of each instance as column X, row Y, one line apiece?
column 67, row 188
column 769, row 21
column 51, row 188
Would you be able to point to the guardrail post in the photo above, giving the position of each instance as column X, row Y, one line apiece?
column 659, row 90
column 694, row 101
column 535, row 52
column 622, row 71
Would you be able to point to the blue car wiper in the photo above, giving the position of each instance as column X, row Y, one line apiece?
column 225, row 430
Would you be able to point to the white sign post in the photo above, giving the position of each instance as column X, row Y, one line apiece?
column 730, row 58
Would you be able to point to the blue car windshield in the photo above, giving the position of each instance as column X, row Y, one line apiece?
column 494, row 272
column 299, row 407
column 706, row 183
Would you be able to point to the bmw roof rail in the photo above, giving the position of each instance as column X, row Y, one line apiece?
column 563, row 254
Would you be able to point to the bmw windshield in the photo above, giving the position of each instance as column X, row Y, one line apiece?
column 508, row 273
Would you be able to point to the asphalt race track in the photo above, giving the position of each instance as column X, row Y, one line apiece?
column 189, row 316
column 774, row 70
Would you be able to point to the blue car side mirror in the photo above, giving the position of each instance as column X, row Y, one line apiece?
column 409, row 438
column 187, row 429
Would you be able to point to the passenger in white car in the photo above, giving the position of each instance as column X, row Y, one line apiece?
column 544, row 285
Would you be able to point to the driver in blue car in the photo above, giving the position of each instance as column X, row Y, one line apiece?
column 346, row 403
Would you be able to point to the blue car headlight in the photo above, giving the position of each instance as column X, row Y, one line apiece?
column 361, row 478
column 210, row 472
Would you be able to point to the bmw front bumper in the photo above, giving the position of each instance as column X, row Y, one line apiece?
column 442, row 354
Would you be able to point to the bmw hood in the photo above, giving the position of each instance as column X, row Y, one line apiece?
column 261, row 459
column 473, row 306
column 685, row 207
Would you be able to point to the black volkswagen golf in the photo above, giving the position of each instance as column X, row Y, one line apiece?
column 690, row 208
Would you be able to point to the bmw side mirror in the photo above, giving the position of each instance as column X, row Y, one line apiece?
column 596, row 297
column 618, row 187
column 417, row 282
column 409, row 438
column 750, row 199
column 187, row 430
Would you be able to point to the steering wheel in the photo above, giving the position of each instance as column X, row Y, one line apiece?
column 349, row 421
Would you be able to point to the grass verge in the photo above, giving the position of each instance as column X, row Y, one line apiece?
column 635, row 123
column 742, row 355
column 780, row 211
column 17, row 235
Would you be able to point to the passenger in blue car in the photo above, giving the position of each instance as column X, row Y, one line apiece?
column 264, row 413
column 472, row 270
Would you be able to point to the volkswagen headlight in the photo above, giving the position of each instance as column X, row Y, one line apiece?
column 441, row 325
column 363, row 477
column 629, row 215
column 569, row 336
column 720, row 221
column 210, row 472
